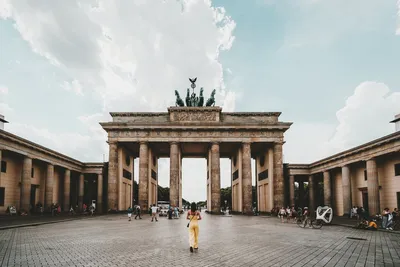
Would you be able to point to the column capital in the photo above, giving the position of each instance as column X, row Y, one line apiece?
column 174, row 143
column 215, row 143
column 143, row 143
column 370, row 159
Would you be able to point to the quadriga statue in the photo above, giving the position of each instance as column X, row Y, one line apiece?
column 211, row 100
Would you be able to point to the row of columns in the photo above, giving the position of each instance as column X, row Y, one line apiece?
column 245, row 184
column 215, row 176
column 25, row 196
column 372, row 188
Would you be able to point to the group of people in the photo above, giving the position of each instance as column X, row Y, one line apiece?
column 290, row 213
column 193, row 215
column 387, row 218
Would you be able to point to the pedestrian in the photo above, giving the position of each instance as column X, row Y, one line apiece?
column 138, row 212
column 154, row 210
column 129, row 210
column 194, row 216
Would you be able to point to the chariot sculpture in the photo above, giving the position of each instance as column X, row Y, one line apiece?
column 192, row 100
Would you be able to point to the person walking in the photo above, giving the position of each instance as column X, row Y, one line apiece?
column 194, row 216
column 154, row 210
column 129, row 210
column 138, row 212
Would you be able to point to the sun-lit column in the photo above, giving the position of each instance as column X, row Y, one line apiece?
column 372, row 187
column 81, row 190
column 49, row 186
column 278, row 182
column 144, row 176
column 26, row 184
column 112, row 192
column 215, row 179
column 67, row 189
column 346, row 189
column 246, row 179
column 174, row 175
column 311, row 193
column 291, row 189
column 99, row 205
column 327, row 189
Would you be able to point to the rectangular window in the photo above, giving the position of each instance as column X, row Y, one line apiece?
column 235, row 175
column 3, row 166
column 2, row 196
column 32, row 172
column 153, row 175
column 397, row 169
column 365, row 175
column 126, row 174
column 263, row 175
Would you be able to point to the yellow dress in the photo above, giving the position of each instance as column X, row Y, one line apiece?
column 194, row 231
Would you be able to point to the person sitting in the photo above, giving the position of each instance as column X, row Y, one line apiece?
column 372, row 225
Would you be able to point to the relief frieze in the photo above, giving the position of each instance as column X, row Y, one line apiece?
column 149, row 134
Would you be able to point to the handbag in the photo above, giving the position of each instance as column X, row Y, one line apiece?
column 190, row 221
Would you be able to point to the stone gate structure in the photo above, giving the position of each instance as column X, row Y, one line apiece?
column 196, row 132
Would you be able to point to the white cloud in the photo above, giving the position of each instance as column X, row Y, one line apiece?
column 3, row 90
column 74, row 86
column 134, row 55
column 5, row 109
column 398, row 19
column 364, row 117
column 131, row 51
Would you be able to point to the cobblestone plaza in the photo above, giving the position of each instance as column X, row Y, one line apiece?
column 224, row 241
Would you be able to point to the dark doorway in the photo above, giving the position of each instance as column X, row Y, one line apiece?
column 33, row 197
column 398, row 200
column 365, row 201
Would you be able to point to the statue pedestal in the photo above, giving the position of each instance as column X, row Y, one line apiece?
column 195, row 114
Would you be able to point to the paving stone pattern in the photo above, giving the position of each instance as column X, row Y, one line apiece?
column 224, row 241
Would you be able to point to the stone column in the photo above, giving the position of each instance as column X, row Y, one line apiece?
column 311, row 193
column 346, row 190
column 144, row 176
column 279, row 185
column 373, row 188
column 327, row 189
column 49, row 186
column 291, row 190
column 301, row 194
column 246, row 179
column 215, row 180
column 81, row 190
column 174, row 175
column 26, row 184
column 113, row 177
column 67, row 190
column 0, row 165
column 99, row 205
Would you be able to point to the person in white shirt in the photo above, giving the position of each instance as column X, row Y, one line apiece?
column 154, row 210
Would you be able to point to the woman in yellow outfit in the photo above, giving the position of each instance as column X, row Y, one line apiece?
column 194, row 216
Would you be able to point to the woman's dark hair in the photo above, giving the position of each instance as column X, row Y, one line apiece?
column 193, row 207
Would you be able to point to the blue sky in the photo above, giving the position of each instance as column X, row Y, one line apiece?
column 331, row 67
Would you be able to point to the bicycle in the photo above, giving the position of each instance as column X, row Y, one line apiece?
column 303, row 221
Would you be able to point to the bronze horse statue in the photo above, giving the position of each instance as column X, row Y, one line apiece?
column 179, row 101
column 211, row 100
column 201, row 98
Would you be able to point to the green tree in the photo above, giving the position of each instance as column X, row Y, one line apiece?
column 226, row 195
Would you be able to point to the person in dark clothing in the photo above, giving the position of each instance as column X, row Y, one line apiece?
column 129, row 213
column 138, row 212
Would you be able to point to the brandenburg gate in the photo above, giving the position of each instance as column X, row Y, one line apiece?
column 197, row 131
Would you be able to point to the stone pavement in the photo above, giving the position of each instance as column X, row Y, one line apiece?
column 224, row 241
column 7, row 221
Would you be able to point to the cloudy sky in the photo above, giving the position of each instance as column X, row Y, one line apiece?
column 330, row 66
